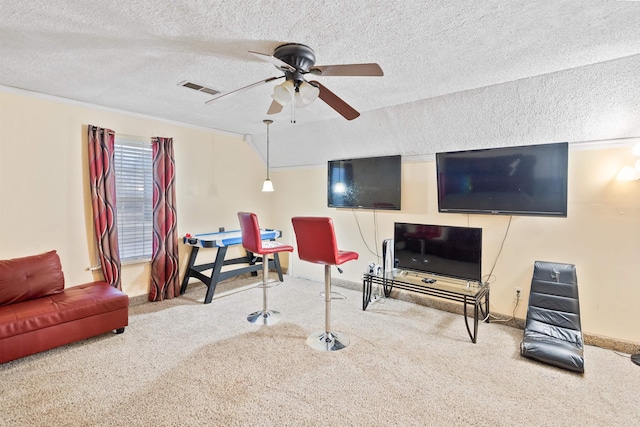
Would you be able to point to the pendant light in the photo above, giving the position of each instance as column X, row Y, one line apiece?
column 267, row 185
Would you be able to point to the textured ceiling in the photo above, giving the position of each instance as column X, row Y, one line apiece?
column 132, row 55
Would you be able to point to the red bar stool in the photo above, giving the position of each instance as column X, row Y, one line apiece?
column 316, row 240
column 252, row 242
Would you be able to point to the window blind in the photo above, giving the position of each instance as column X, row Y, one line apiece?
column 134, row 198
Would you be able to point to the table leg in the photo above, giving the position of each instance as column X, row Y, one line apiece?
column 276, row 261
column 476, row 309
column 486, row 305
column 187, row 273
column 387, row 285
column 475, row 320
column 366, row 291
column 215, row 274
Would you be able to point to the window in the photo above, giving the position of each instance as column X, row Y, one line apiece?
column 134, row 198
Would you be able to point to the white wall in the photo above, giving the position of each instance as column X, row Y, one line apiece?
column 44, row 194
column 595, row 102
column 601, row 234
column 44, row 204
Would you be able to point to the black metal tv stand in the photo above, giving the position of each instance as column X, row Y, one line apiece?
column 468, row 293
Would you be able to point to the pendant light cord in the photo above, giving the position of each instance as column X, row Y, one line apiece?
column 267, row 122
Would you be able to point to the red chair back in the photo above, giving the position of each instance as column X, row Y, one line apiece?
column 251, row 238
column 316, row 240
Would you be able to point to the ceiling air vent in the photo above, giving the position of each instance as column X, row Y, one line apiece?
column 199, row 88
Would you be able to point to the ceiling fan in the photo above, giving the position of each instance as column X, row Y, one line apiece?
column 296, row 60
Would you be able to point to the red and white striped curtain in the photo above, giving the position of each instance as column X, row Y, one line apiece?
column 103, row 200
column 165, row 282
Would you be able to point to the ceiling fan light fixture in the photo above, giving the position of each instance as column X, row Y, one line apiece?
column 306, row 94
column 295, row 60
column 282, row 92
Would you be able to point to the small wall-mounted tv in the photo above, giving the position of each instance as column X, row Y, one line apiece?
column 522, row 180
column 365, row 183
column 438, row 249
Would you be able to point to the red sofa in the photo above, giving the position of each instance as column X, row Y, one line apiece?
column 38, row 313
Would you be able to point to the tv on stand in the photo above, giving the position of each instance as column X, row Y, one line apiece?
column 439, row 250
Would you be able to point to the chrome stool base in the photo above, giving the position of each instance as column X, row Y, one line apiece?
column 327, row 341
column 264, row 317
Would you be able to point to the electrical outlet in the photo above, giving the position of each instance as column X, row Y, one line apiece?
column 517, row 294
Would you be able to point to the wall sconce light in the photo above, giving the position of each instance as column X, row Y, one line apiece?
column 267, row 185
column 629, row 173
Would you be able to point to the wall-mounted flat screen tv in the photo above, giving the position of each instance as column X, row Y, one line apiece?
column 439, row 250
column 365, row 183
column 522, row 180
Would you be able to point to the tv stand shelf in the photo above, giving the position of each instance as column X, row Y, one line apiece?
column 468, row 293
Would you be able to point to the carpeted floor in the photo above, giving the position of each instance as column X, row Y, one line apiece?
column 184, row 363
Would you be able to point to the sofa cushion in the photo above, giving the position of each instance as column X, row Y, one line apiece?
column 76, row 302
column 30, row 277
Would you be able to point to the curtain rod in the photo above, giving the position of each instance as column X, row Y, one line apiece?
column 135, row 136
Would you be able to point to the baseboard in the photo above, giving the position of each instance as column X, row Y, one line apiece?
column 622, row 346
column 138, row 300
column 224, row 286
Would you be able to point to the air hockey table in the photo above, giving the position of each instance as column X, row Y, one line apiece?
column 222, row 241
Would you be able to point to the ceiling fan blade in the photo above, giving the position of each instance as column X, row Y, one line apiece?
column 243, row 88
column 335, row 102
column 370, row 69
column 275, row 108
column 275, row 61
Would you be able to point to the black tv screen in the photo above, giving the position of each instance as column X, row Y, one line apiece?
column 523, row 180
column 439, row 249
column 364, row 183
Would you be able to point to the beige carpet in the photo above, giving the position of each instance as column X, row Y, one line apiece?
column 184, row 363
